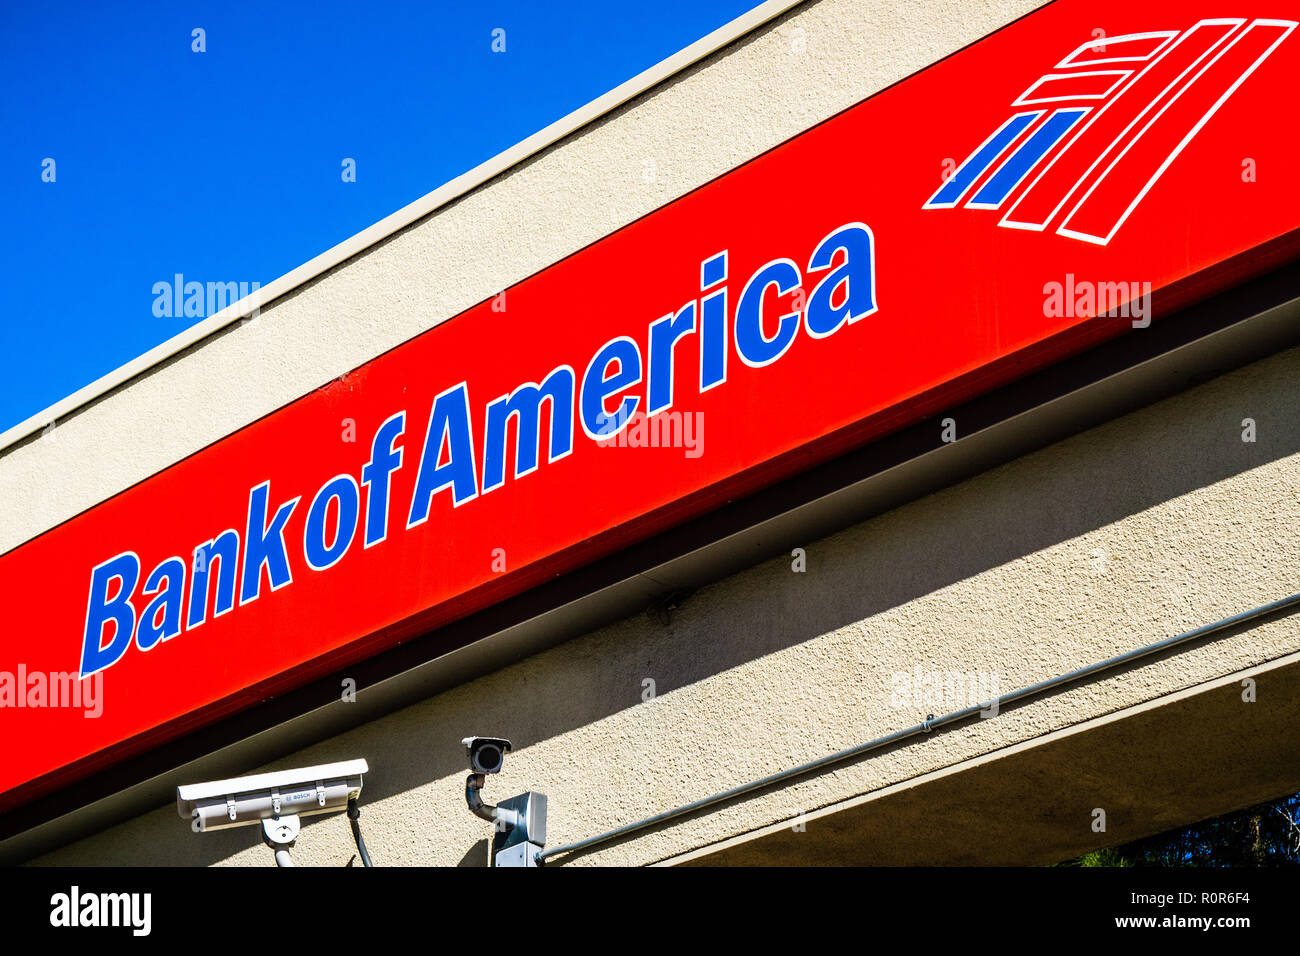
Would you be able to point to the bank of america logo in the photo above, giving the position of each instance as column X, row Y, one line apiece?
column 1091, row 138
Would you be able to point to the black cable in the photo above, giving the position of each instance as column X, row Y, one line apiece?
column 354, row 817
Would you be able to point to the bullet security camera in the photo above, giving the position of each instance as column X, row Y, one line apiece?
column 486, row 754
column 519, row 823
column 276, row 801
column 245, row 801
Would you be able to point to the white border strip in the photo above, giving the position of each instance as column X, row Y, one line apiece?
column 372, row 235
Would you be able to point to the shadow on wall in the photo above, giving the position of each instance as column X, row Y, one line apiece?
column 477, row 856
column 1084, row 483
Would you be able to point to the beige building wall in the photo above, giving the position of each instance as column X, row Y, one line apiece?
column 1138, row 529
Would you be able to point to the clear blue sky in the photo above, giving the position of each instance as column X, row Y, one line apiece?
column 225, row 165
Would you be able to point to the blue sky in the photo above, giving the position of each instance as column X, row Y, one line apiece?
column 225, row 165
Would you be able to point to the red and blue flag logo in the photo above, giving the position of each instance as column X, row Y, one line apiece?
column 1092, row 137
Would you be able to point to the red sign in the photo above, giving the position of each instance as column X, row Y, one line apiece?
column 946, row 236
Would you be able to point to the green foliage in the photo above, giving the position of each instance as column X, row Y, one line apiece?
column 1107, row 856
column 1267, row 834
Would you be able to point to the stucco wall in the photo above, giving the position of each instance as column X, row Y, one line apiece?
column 1142, row 528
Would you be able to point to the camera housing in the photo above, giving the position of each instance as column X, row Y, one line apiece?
column 486, row 754
column 245, row 801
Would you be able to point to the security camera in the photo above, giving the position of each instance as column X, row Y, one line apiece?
column 519, row 823
column 276, row 800
column 245, row 801
column 486, row 754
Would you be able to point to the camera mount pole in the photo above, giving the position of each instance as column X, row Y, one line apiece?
column 518, row 824
column 280, row 833
column 500, row 817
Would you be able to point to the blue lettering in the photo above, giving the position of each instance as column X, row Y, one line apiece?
column 856, row 276
column 713, row 323
column 597, row 387
column 449, row 422
column 118, row 611
column 264, row 545
column 664, row 334
column 225, row 551
column 167, row 604
column 754, row 349
column 385, row 459
column 525, row 402
column 320, row 555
